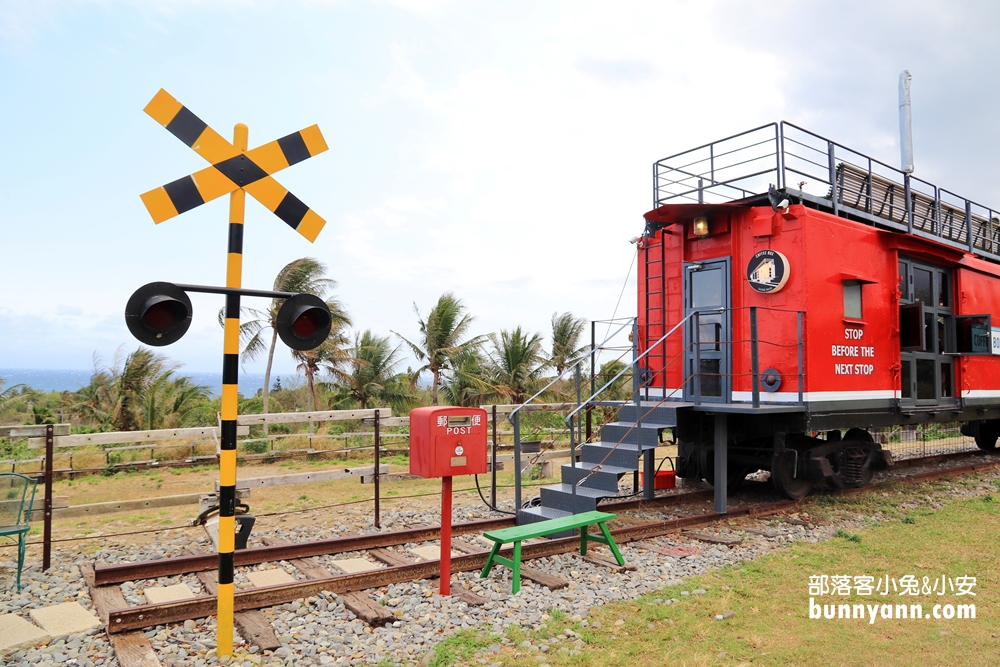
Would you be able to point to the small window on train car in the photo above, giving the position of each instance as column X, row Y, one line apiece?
column 852, row 300
column 973, row 334
column 911, row 327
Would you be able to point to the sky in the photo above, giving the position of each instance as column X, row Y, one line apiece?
column 499, row 150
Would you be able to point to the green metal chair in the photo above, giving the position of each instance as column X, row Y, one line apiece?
column 15, row 512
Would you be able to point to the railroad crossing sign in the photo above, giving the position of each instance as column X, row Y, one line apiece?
column 159, row 313
column 232, row 169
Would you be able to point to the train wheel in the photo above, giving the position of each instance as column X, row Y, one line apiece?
column 861, row 435
column 735, row 475
column 986, row 439
column 783, row 475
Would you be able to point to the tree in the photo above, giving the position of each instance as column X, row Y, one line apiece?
column 517, row 364
column 468, row 382
column 10, row 396
column 566, row 332
column 441, row 337
column 330, row 355
column 372, row 380
column 140, row 391
column 305, row 276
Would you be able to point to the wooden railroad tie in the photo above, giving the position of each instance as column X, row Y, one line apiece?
column 131, row 648
column 468, row 597
column 728, row 540
column 765, row 532
column 358, row 602
column 674, row 552
column 606, row 562
column 251, row 624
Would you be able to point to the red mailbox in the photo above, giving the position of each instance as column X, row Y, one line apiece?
column 447, row 441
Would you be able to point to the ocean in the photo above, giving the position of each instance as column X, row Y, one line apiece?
column 71, row 380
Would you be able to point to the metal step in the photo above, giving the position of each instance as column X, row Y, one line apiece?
column 606, row 478
column 661, row 415
column 626, row 455
column 539, row 513
column 628, row 432
column 563, row 497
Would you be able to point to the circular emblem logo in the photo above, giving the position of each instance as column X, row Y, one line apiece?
column 459, row 450
column 767, row 271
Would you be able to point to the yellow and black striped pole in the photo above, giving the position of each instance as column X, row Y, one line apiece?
column 230, row 386
column 236, row 171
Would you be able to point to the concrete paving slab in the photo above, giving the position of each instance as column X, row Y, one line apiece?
column 269, row 578
column 68, row 618
column 355, row 565
column 161, row 594
column 16, row 633
column 431, row 552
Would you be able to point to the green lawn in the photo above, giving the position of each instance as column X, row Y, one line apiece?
column 770, row 601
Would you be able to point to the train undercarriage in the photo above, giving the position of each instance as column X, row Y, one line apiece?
column 797, row 461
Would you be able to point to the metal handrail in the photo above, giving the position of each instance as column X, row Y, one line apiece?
column 513, row 412
column 515, row 417
column 636, row 360
column 796, row 152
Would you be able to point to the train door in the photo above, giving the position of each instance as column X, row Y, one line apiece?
column 706, row 291
column 927, row 373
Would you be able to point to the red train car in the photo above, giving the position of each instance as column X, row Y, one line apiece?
column 808, row 293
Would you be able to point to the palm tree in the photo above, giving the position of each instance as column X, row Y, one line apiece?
column 566, row 332
column 517, row 363
column 441, row 337
column 140, row 391
column 330, row 355
column 468, row 383
column 372, row 380
column 10, row 396
column 304, row 276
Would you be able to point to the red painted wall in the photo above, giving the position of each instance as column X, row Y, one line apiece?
column 842, row 358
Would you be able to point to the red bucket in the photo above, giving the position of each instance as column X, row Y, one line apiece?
column 664, row 479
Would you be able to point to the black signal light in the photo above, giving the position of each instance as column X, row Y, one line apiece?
column 304, row 322
column 158, row 313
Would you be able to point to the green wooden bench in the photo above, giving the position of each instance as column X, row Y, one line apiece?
column 542, row 528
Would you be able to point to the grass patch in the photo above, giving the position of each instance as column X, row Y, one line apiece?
column 770, row 601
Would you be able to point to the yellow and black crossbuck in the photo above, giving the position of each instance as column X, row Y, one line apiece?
column 232, row 168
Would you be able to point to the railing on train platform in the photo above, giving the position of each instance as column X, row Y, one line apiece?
column 648, row 386
column 830, row 175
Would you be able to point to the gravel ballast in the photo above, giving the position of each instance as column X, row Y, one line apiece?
column 320, row 631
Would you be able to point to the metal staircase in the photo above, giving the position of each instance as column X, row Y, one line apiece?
column 603, row 464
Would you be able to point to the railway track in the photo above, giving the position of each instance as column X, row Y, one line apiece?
column 393, row 565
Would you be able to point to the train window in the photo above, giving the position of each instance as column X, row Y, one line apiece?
column 922, row 281
column 925, row 379
column 929, row 334
column 707, row 288
column 911, row 328
column 944, row 291
column 972, row 334
column 852, row 299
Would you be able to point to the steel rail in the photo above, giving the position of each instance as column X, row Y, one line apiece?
column 165, row 567
column 116, row 574
column 136, row 618
column 119, row 573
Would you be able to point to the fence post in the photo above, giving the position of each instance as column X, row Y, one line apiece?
column 493, row 467
column 517, row 461
column 593, row 378
column 47, row 529
column 378, row 468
